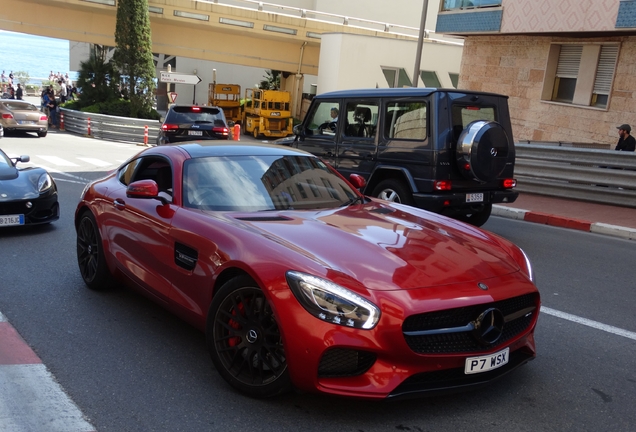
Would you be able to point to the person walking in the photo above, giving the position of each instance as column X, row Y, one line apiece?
column 19, row 92
column 626, row 141
column 52, row 105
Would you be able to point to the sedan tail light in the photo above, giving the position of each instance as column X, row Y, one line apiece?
column 7, row 116
column 43, row 117
column 169, row 127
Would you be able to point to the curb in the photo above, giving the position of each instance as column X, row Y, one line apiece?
column 564, row 222
column 30, row 397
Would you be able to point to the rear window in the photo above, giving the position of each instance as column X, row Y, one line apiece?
column 464, row 115
column 195, row 114
column 17, row 106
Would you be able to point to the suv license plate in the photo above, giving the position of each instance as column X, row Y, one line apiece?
column 475, row 197
column 486, row 363
column 10, row 220
column 198, row 133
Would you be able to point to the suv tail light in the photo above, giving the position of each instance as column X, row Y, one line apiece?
column 169, row 127
column 222, row 130
column 509, row 183
column 443, row 185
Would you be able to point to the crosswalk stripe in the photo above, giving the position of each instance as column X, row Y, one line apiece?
column 57, row 161
column 96, row 162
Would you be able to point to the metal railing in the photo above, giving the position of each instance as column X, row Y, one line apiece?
column 601, row 176
column 110, row 127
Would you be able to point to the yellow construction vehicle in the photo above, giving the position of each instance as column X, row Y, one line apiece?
column 228, row 98
column 268, row 113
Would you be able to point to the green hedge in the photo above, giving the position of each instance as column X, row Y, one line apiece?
column 120, row 108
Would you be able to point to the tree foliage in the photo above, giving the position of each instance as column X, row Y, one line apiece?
column 271, row 81
column 133, row 56
column 98, row 79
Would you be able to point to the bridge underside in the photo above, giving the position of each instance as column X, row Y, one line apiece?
column 82, row 21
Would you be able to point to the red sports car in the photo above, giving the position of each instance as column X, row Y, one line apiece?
column 301, row 282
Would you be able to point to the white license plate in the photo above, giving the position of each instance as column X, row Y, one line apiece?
column 198, row 133
column 10, row 220
column 475, row 197
column 26, row 122
column 486, row 363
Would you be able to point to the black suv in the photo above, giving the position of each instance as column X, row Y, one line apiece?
column 193, row 122
column 448, row 151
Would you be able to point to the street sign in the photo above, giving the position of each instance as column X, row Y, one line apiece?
column 172, row 96
column 179, row 78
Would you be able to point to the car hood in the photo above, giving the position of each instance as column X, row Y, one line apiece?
column 387, row 247
column 19, row 184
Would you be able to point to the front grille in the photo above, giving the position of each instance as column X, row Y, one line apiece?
column 449, row 380
column 343, row 362
column 464, row 342
column 16, row 207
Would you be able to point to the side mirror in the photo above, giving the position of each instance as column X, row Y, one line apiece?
column 144, row 189
column 24, row 158
column 298, row 130
column 357, row 181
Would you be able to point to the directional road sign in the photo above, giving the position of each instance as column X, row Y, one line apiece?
column 179, row 78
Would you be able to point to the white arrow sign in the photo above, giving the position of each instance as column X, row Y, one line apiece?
column 179, row 78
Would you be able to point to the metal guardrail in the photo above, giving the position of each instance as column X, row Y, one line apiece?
column 110, row 127
column 601, row 176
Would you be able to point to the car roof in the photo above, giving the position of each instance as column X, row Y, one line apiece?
column 215, row 148
column 398, row 92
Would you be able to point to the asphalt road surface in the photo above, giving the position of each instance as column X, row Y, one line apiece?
column 131, row 366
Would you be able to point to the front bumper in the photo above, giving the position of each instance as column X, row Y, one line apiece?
column 381, row 363
column 44, row 209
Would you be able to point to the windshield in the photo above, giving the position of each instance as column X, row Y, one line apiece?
column 260, row 183
column 4, row 160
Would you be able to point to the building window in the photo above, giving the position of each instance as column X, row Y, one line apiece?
column 454, row 79
column 396, row 77
column 580, row 74
column 450, row 5
column 429, row 78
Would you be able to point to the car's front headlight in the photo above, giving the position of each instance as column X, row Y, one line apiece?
column 44, row 182
column 332, row 303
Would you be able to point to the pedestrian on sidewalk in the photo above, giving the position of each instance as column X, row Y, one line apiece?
column 52, row 105
column 19, row 92
column 626, row 141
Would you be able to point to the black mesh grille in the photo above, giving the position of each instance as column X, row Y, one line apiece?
column 465, row 342
column 18, row 207
column 341, row 362
column 449, row 379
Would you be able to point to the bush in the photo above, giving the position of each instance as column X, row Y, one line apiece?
column 119, row 107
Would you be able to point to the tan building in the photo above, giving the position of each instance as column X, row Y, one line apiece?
column 569, row 67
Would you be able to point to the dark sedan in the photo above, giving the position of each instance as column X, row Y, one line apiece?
column 193, row 122
column 299, row 281
column 28, row 196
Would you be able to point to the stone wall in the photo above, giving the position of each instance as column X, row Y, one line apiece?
column 515, row 66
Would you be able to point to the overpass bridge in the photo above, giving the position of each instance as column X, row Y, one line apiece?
column 241, row 32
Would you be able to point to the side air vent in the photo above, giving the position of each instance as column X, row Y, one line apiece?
column 185, row 257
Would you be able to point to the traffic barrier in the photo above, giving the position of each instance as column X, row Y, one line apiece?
column 88, row 125
column 146, row 135
column 62, row 121
column 236, row 135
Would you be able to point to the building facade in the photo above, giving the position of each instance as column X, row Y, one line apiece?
column 569, row 67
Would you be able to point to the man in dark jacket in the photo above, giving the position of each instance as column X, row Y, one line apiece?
column 626, row 141
column 19, row 92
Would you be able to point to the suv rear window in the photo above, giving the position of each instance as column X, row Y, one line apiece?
column 194, row 114
column 464, row 115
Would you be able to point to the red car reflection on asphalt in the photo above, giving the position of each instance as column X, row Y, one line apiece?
column 300, row 282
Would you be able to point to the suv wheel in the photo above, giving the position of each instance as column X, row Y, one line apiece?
column 483, row 149
column 477, row 218
column 393, row 190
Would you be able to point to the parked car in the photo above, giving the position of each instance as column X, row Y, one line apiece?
column 28, row 196
column 447, row 151
column 193, row 122
column 299, row 281
column 17, row 115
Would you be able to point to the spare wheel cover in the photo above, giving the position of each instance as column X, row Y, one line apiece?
column 483, row 147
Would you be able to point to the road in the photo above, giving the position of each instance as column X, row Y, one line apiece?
column 131, row 366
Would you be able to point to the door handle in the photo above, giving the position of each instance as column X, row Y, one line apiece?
column 119, row 204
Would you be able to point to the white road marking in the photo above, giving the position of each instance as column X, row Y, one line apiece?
column 34, row 401
column 57, row 161
column 96, row 162
column 587, row 322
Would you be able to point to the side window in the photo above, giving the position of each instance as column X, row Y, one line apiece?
column 126, row 173
column 149, row 168
column 361, row 119
column 405, row 120
column 323, row 120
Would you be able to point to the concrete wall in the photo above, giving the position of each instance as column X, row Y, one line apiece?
column 353, row 61
column 516, row 66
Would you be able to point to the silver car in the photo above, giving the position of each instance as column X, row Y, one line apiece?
column 18, row 115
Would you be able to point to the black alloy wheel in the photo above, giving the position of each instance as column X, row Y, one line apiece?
column 244, row 340
column 90, row 254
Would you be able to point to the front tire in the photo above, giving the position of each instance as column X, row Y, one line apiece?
column 90, row 254
column 244, row 340
column 393, row 190
column 256, row 133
